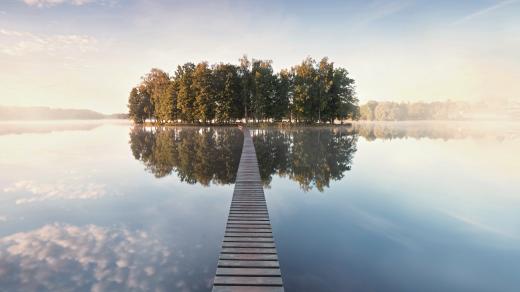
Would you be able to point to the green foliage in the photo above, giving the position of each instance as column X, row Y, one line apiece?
column 305, row 90
column 227, row 84
column 281, row 100
column 203, row 88
column 309, row 92
column 139, row 104
column 186, row 92
column 246, row 84
column 157, row 84
column 263, row 89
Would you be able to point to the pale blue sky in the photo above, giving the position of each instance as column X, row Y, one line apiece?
column 88, row 53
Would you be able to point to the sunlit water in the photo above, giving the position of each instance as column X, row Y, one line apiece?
column 104, row 206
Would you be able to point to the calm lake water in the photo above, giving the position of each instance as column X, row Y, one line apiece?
column 105, row 206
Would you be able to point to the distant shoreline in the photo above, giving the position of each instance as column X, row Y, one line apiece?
column 296, row 125
column 39, row 113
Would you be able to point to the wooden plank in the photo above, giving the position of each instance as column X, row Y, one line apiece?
column 236, row 250
column 248, row 281
column 248, row 211
column 250, row 219
column 247, row 289
column 248, row 272
column 249, row 244
column 248, row 222
column 246, row 226
column 248, row 216
column 248, row 234
column 248, row 239
column 249, row 257
column 248, row 230
column 249, row 199
column 247, row 264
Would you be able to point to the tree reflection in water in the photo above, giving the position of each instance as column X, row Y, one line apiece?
column 195, row 155
column 312, row 157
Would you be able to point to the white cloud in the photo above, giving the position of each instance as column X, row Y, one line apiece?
column 58, row 257
column 48, row 3
column 20, row 43
column 484, row 11
column 61, row 190
column 378, row 10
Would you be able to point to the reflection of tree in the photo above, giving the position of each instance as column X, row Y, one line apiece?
column 312, row 157
column 426, row 129
column 196, row 155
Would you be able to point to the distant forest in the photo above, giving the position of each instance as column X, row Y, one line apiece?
column 221, row 93
column 438, row 110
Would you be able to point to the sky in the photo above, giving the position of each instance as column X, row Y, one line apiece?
column 89, row 53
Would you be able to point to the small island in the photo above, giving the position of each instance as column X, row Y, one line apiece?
column 311, row 92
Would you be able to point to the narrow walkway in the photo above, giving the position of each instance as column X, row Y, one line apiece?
column 248, row 259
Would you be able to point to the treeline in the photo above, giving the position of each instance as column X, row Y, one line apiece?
column 403, row 111
column 221, row 93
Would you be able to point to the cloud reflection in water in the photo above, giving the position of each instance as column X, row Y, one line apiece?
column 63, row 257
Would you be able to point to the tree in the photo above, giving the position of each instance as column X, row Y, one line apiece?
column 264, row 83
column 343, row 97
column 203, row 89
column 228, row 101
column 282, row 98
column 139, row 105
column 244, row 73
column 157, row 84
column 185, row 93
column 324, row 100
column 305, row 89
column 135, row 111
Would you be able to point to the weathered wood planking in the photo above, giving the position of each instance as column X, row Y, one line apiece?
column 248, row 261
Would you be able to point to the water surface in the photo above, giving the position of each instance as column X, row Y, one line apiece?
column 396, row 207
column 105, row 206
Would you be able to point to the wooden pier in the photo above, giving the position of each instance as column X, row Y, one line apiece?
column 248, row 260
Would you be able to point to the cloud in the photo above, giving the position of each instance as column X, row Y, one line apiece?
column 481, row 226
column 20, row 43
column 381, row 9
column 48, row 3
column 63, row 257
column 71, row 189
column 484, row 11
